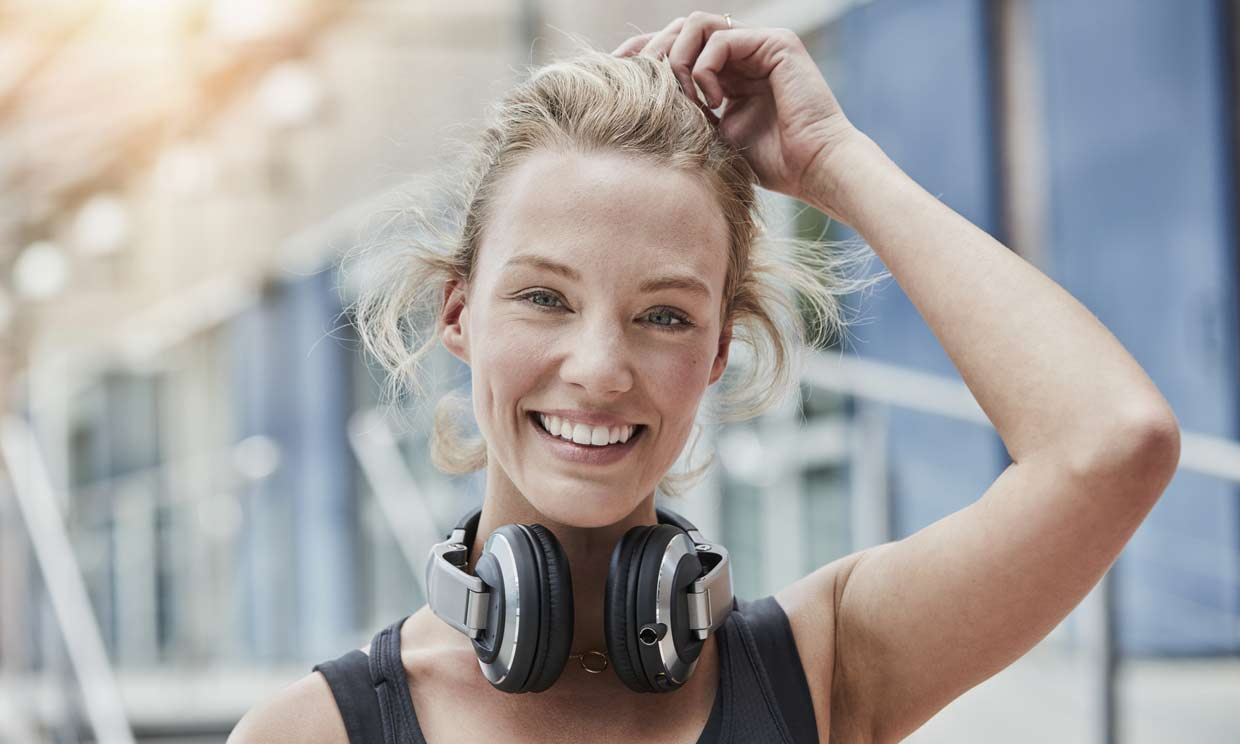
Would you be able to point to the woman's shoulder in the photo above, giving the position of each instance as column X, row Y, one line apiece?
column 305, row 711
column 327, row 706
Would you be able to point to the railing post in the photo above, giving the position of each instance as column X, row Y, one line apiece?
column 79, row 628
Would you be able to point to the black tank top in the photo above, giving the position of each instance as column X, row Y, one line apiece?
column 762, row 696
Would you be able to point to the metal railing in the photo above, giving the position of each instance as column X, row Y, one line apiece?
column 920, row 391
column 79, row 627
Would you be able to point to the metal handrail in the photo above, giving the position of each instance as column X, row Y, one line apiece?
column 396, row 492
column 32, row 488
column 920, row 391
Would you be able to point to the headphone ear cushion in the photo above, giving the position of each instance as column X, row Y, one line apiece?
column 556, row 615
column 618, row 608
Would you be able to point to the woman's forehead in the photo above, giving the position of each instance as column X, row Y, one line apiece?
column 607, row 209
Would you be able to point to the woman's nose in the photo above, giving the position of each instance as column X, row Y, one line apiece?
column 597, row 359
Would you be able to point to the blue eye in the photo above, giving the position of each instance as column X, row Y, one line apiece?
column 679, row 321
column 539, row 294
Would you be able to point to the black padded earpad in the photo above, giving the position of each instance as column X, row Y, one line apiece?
column 618, row 609
column 540, row 621
column 556, row 631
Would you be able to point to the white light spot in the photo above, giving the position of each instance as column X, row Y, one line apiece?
column 256, row 457
column 41, row 271
column 101, row 227
column 289, row 94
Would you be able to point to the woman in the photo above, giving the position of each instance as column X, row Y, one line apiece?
column 596, row 180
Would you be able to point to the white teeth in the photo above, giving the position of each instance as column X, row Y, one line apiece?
column 595, row 436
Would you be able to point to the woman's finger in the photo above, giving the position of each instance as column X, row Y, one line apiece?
column 737, row 86
column 728, row 44
column 661, row 43
column 689, row 42
column 632, row 45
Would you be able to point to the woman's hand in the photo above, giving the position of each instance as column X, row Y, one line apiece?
column 780, row 111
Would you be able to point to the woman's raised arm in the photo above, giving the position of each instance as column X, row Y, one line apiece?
column 898, row 631
column 1093, row 444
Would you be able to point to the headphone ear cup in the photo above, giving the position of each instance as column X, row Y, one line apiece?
column 555, row 637
column 618, row 609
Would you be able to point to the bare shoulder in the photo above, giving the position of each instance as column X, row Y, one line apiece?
column 812, row 606
column 305, row 711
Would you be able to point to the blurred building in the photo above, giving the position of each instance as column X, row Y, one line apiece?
column 180, row 179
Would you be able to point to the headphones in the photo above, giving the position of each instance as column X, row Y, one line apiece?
column 667, row 590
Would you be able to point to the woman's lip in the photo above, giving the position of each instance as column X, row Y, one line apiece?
column 585, row 453
column 533, row 416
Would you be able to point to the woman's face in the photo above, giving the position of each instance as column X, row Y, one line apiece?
column 572, row 308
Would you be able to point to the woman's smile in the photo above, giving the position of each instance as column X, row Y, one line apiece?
column 589, row 454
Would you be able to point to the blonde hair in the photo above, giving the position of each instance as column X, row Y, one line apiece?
column 595, row 102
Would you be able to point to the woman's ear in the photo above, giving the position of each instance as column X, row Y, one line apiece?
column 454, row 321
column 721, row 359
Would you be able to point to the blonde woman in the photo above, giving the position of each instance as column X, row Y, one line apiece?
column 607, row 256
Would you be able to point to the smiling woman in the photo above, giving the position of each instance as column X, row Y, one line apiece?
column 607, row 251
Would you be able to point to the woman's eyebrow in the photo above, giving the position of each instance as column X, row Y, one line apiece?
column 690, row 283
column 542, row 262
column 679, row 281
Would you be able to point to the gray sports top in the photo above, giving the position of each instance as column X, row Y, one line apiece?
column 762, row 696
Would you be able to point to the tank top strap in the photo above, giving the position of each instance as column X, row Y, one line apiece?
column 349, row 680
column 400, row 722
column 763, row 628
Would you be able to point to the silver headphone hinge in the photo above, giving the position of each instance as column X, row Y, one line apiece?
column 458, row 598
column 705, row 616
column 699, row 614
column 476, row 612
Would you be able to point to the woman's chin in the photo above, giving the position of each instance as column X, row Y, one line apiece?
column 583, row 509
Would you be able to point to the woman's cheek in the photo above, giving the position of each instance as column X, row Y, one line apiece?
column 512, row 368
column 682, row 380
column 510, row 345
column 689, row 371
